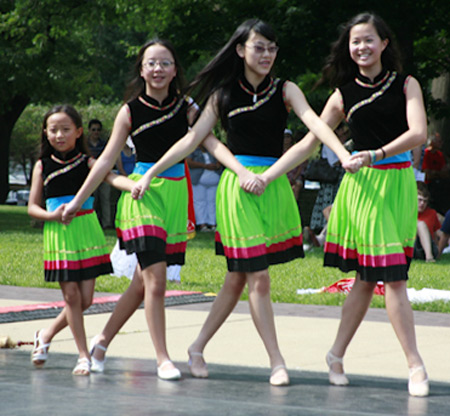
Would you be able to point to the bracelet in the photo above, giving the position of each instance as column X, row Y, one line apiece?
column 384, row 153
column 373, row 156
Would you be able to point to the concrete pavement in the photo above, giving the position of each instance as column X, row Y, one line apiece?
column 374, row 362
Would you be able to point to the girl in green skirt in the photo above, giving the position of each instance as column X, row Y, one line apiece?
column 76, row 253
column 372, row 226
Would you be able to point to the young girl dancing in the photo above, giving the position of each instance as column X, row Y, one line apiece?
column 372, row 226
column 76, row 253
column 252, row 232
column 156, row 115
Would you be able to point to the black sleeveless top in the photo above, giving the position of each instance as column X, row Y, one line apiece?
column 154, row 127
column 64, row 175
column 375, row 111
column 257, row 119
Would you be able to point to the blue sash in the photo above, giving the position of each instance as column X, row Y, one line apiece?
column 53, row 203
column 248, row 160
column 176, row 171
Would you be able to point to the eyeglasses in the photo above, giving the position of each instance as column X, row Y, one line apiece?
column 261, row 49
column 151, row 63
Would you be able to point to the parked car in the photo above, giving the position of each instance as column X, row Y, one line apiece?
column 18, row 197
column 11, row 199
column 22, row 197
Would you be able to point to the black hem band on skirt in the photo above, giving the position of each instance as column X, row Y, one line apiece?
column 79, row 275
column 368, row 274
column 259, row 263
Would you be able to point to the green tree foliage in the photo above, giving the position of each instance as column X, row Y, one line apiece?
column 56, row 51
column 78, row 50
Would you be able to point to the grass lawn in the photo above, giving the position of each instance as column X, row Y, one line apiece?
column 22, row 265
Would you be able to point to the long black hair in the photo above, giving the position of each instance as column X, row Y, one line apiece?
column 223, row 70
column 340, row 68
column 136, row 85
column 46, row 148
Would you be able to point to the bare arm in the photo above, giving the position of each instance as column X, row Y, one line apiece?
column 103, row 165
column 35, row 208
column 322, row 129
column 332, row 115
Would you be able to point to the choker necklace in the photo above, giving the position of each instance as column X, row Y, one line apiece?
column 155, row 107
column 256, row 94
column 65, row 162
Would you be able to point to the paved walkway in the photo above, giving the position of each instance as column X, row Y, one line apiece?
column 238, row 365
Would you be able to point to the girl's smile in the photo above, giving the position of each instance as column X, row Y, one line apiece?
column 366, row 47
column 158, row 70
column 259, row 56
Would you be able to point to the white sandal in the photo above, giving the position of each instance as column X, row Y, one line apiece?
column 169, row 374
column 338, row 379
column 83, row 367
column 97, row 366
column 39, row 354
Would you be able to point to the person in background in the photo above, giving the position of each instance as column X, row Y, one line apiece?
column 127, row 159
column 102, row 195
column 328, row 191
column 295, row 174
column 206, row 171
column 428, row 225
column 437, row 176
column 445, row 236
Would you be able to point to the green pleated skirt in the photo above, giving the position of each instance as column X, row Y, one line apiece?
column 254, row 232
column 372, row 226
column 156, row 223
column 77, row 251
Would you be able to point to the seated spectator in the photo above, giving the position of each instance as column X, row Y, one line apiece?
column 444, row 239
column 425, row 247
column 319, row 239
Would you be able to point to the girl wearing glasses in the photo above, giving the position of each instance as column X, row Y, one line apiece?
column 253, row 232
column 155, row 115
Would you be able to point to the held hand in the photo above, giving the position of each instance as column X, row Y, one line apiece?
column 68, row 212
column 355, row 162
column 57, row 214
column 252, row 183
column 140, row 187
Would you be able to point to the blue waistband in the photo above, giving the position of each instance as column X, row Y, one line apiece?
column 400, row 158
column 53, row 203
column 176, row 171
column 248, row 160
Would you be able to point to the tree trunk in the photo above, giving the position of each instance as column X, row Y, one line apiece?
column 8, row 119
